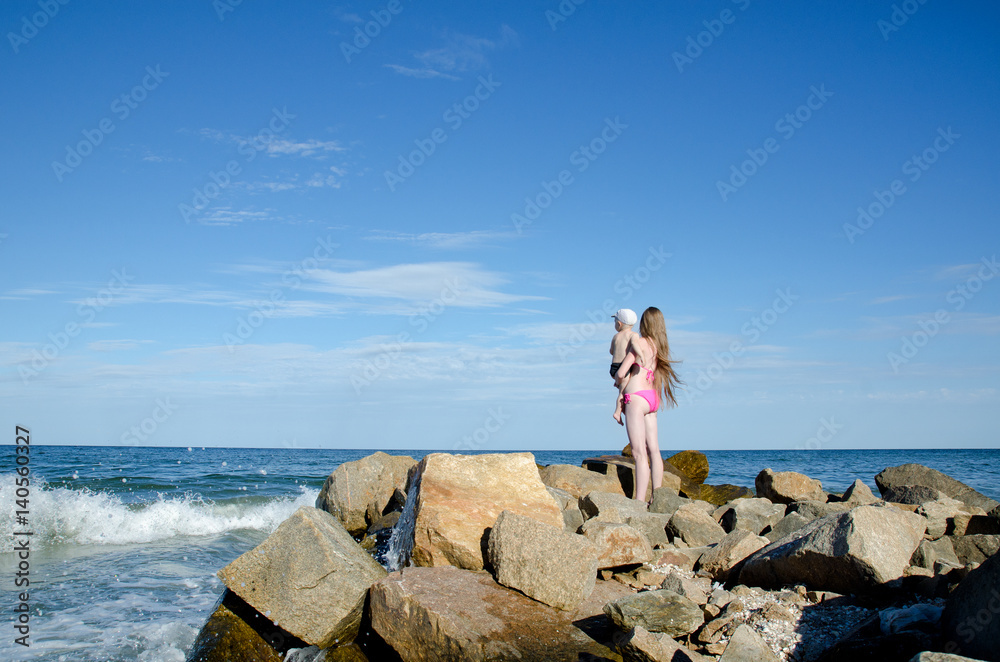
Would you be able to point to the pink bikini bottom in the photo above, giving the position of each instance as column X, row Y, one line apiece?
column 648, row 395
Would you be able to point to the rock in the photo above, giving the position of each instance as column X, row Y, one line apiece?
column 753, row 515
column 652, row 525
column 786, row 526
column 859, row 494
column 446, row 613
column 610, row 507
column 572, row 519
column 722, row 559
column 788, row 486
column 624, row 468
column 917, row 474
column 656, row 611
column 666, row 501
column 617, row 544
column 847, row 552
column 970, row 621
column 694, row 526
column 542, row 561
column 912, row 494
column 931, row 551
column 747, row 646
column 975, row 548
column 562, row 497
column 721, row 494
column 940, row 515
column 358, row 492
column 639, row 645
column 815, row 509
column 928, row 656
column 693, row 464
column 682, row 558
column 695, row 589
column 226, row 637
column 977, row 525
column 578, row 481
column 309, row 576
column 456, row 498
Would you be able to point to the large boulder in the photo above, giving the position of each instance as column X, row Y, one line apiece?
column 610, row 507
column 718, row 495
column 309, row 576
column 971, row 619
column 640, row 645
column 666, row 501
column 694, row 526
column 693, row 464
column 722, row 559
column 975, row 548
column 617, row 544
column 447, row 613
column 913, row 495
column 579, row 481
column 918, row 474
column 753, row 515
column 624, row 468
column 788, row 486
column 745, row 645
column 542, row 561
column 786, row 526
column 652, row 525
column 859, row 494
column 226, row 637
column 454, row 499
column 931, row 552
column 358, row 492
column 846, row 553
column 657, row 611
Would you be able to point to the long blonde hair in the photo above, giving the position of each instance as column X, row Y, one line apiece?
column 653, row 327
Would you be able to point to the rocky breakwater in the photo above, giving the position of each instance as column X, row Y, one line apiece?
column 494, row 558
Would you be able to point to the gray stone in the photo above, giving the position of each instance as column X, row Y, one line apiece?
column 694, row 526
column 928, row 656
column 639, row 645
column 542, row 561
column 975, row 548
column 666, row 501
column 722, row 559
column 684, row 558
column 695, row 589
column 656, row 611
column 859, row 494
column 309, row 576
column 603, row 505
column 786, row 526
column 788, row 486
column 563, row 498
column 912, row 494
column 931, row 551
column 970, row 621
column 652, row 525
column 617, row 544
column 753, row 515
column 848, row 552
column 747, row 646
column 579, row 481
column 815, row 509
column 357, row 493
column 572, row 519
column 917, row 474
column 940, row 515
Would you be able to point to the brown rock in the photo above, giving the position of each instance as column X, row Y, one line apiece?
column 722, row 559
column 579, row 481
column 719, row 495
column 624, row 469
column 617, row 544
column 226, row 637
column 693, row 464
column 975, row 548
column 917, row 474
column 357, row 493
column 639, row 645
column 747, row 646
column 656, row 611
column 971, row 619
column 859, row 494
column 788, row 486
column 695, row 527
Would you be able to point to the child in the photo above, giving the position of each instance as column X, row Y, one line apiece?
column 624, row 321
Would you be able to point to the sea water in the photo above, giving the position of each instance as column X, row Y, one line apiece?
column 127, row 541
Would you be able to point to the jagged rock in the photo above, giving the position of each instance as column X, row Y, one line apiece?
column 859, row 494
column 309, row 576
column 695, row 589
column 786, row 526
column 747, row 646
column 226, row 637
column 718, row 495
column 624, row 468
column 815, row 509
column 931, row 551
column 458, row 497
column 617, row 544
column 940, row 515
column 542, row 561
column 753, row 515
column 579, row 481
column 693, row 464
column 610, row 507
column 572, row 519
column 970, row 621
column 976, row 525
column 652, row 525
column 722, row 559
column 928, row 656
column 847, row 552
column 788, row 486
column 357, row 493
column 666, row 501
column 656, row 611
column 639, row 645
column 975, row 548
column 694, row 526
column 562, row 497
column 447, row 613
column 917, row 474
column 912, row 494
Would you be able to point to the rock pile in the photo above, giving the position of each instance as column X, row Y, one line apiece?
column 494, row 558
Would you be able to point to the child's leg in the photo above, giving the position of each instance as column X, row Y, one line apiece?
column 620, row 402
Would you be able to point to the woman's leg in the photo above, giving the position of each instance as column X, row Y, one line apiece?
column 653, row 445
column 635, row 412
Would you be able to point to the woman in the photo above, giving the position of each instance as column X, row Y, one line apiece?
column 650, row 372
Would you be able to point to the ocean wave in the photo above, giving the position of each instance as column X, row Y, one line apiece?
column 64, row 516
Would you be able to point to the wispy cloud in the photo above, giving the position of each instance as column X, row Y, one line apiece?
column 891, row 298
column 25, row 293
column 420, row 73
column 442, row 240
column 116, row 345
column 458, row 54
column 311, row 147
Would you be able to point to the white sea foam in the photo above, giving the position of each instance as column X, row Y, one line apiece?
column 64, row 516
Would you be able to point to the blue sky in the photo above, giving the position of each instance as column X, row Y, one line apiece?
column 254, row 225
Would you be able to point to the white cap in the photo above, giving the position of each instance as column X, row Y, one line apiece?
column 626, row 316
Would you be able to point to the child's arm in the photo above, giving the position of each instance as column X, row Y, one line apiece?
column 622, row 376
